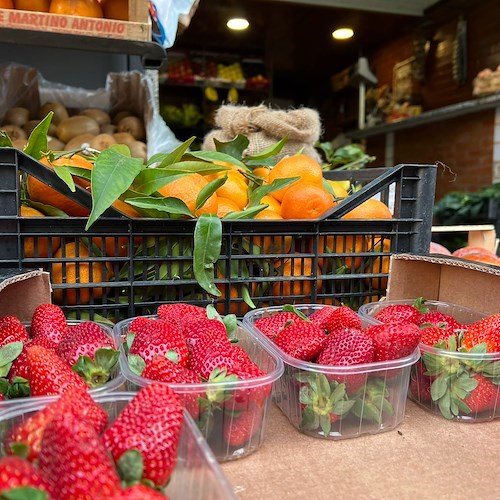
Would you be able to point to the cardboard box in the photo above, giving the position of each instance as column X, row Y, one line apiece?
column 448, row 279
column 22, row 291
column 137, row 28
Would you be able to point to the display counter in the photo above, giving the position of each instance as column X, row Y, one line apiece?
column 426, row 457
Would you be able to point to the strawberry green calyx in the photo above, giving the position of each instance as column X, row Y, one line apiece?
column 130, row 467
column 291, row 308
column 324, row 402
column 216, row 394
column 136, row 364
column 25, row 493
column 420, row 304
column 98, row 371
column 371, row 401
column 8, row 353
column 19, row 388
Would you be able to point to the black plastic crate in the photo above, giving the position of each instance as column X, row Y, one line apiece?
column 126, row 267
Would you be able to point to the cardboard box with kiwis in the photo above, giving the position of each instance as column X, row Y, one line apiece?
column 124, row 111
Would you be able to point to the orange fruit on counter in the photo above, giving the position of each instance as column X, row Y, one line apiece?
column 85, row 8
column 6, row 4
column 370, row 209
column 305, row 200
column 73, row 273
column 43, row 246
column 41, row 192
column 115, row 9
column 187, row 188
column 35, row 5
column 305, row 167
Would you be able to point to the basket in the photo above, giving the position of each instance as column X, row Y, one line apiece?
column 274, row 262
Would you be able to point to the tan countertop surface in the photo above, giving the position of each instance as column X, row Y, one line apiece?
column 426, row 457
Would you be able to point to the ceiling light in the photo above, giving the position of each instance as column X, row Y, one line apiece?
column 343, row 33
column 238, row 24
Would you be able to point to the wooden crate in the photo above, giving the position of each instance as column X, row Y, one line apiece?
column 137, row 28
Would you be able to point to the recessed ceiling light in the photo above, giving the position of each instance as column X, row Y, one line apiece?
column 343, row 33
column 238, row 24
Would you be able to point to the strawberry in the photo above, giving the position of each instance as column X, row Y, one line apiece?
column 13, row 332
column 181, row 314
column 49, row 374
column 432, row 335
column 138, row 492
column 301, row 339
column 205, row 363
column 160, row 337
column 486, row 396
column 30, row 431
column 487, row 331
column 151, row 424
column 202, row 328
column 48, row 321
column 420, row 384
column 16, row 472
column 238, row 430
column 402, row 313
column 137, row 323
column 439, row 319
column 90, row 352
column 9, row 320
column 162, row 369
column 321, row 316
column 340, row 318
column 270, row 326
column 74, row 458
column 394, row 340
column 204, row 349
column 348, row 346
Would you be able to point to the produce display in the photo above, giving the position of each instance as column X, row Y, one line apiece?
column 458, row 376
column 73, row 130
column 53, row 356
column 342, row 378
column 221, row 373
column 75, row 447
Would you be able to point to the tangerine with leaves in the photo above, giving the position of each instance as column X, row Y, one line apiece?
column 370, row 209
column 226, row 206
column 187, row 188
column 42, row 247
column 305, row 167
column 305, row 200
column 84, row 8
column 299, row 267
column 273, row 203
column 272, row 244
column 235, row 188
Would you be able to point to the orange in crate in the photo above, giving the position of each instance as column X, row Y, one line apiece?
column 35, row 5
column 6, row 4
column 85, row 8
column 41, row 247
column 115, row 9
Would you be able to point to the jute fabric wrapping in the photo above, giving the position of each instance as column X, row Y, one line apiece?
column 265, row 126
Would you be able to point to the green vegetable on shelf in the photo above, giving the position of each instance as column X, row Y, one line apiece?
column 188, row 115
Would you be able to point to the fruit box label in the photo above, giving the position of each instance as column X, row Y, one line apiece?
column 75, row 25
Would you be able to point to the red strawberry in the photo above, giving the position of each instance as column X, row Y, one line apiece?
column 49, row 321
column 487, row 331
column 432, row 335
column 394, row 340
column 139, row 492
column 270, row 326
column 301, row 339
column 206, row 348
column 420, row 384
column 321, row 316
column 30, row 431
column 90, row 352
column 9, row 320
column 349, row 346
column 49, row 374
column 74, row 458
column 137, row 323
column 150, row 423
column 342, row 317
column 398, row 313
column 202, row 328
column 250, row 396
column 205, row 364
column 162, row 369
column 239, row 429
column 486, row 396
column 15, row 472
column 439, row 319
column 13, row 332
column 181, row 314
column 160, row 337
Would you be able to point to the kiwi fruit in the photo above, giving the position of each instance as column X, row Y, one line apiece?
column 16, row 116
column 120, row 115
column 59, row 110
column 134, row 126
column 14, row 132
column 138, row 149
column 77, row 125
column 55, row 144
column 78, row 141
column 108, row 129
column 30, row 125
column 19, row 144
column 102, row 142
column 100, row 116
column 124, row 138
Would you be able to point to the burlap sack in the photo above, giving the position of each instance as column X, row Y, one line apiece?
column 264, row 127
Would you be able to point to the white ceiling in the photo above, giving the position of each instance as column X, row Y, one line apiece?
column 404, row 7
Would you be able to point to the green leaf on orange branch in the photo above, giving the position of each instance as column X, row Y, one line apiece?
column 164, row 205
column 266, row 153
column 5, row 141
column 37, row 141
column 212, row 156
column 166, row 159
column 207, row 191
column 266, row 189
column 234, row 148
